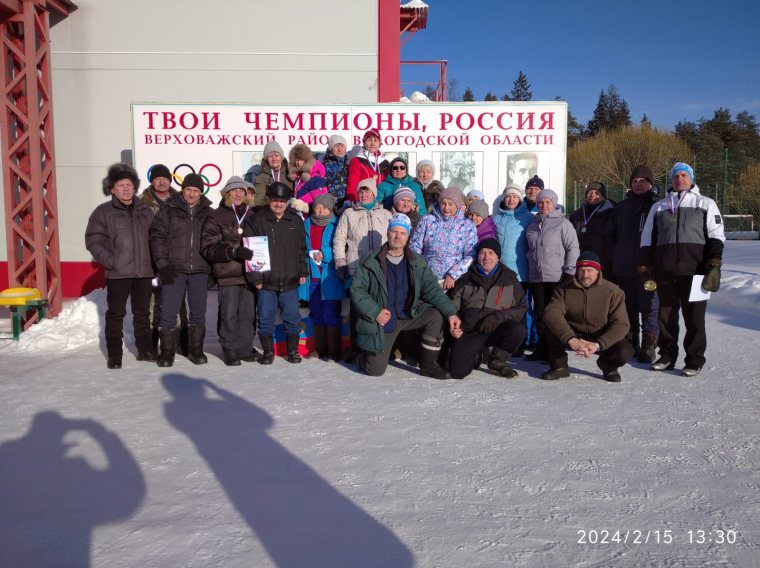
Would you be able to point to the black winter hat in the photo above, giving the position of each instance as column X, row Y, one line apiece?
column 535, row 181
column 490, row 243
column 159, row 171
column 589, row 258
column 279, row 190
column 642, row 171
column 598, row 186
column 193, row 180
column 117, row 172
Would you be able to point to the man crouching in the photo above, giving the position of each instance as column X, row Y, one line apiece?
column 587, row 314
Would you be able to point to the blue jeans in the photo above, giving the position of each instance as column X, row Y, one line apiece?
column 323, row 312
column 266, row 310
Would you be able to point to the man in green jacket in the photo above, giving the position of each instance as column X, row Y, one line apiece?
column 394, row 290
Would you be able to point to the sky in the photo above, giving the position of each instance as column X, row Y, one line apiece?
column 671, row 59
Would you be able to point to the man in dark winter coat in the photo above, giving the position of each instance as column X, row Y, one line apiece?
column 682, row 241
column 117, row 237
column 278, row 287
column 175, row 245
column 491, row 304
column 221, row 240
column 590, row 221
column 587, row 315
column 394, row 290
column 622, row 238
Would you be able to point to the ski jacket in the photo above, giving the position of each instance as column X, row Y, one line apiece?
column 332, row 287
column 510, row 232
column 336, row 174
column 552, row 247
column 592, row 239
column 387, row 188
column 487, row 229
column 360, row 169
column 622, row 236
column 359, row 231
column 220, row 239
column 175, row 235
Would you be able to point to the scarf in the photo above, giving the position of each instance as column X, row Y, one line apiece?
column 322, row 220
column 368, row 206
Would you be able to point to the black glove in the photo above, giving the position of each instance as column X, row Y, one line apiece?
column 567, row 277
column 167, row 275
column 243, row 253
column 343, row 273
column 711, row 281
column 489, row 323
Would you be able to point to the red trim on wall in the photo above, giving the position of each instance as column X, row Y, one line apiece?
column 388, row 51
column 77, row 278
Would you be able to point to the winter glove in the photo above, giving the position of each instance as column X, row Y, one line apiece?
column 489, row 323
column 298, row 205
column 343, row 273
column 243, row 253
column 646, row 273
column 167, row 275
column 567, row 277
column 711, row 281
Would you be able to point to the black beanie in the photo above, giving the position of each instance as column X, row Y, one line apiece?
column 159, row 171
column 535, row 181
column 490, row 243
column 588, row 258
column 193, row 180
column 642, row 171
column 599, row 186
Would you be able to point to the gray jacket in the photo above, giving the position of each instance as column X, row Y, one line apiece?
column 552, row 247
column 117, row 237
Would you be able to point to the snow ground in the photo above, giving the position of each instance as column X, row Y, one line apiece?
column 317, row 465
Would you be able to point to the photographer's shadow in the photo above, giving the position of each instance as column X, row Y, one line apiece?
column 297, row 516
column 50, row 502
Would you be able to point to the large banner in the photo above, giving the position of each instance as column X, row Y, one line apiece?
column 482, row 146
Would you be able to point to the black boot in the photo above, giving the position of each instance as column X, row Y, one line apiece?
column 183, row 341
column 498, row 362
column 230, row 357
column 335, row 338
column 154, row 338
column 196, row 335
column 150, row 356
column 554, row 374
column 610, row 374
column 168, row 345
column 429, row 366
column 320, row 341
column 648, row 347
column 114, row 362
column 251, row 357
column 292, row 343
column 267, row 344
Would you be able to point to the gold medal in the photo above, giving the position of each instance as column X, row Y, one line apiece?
column 240, row 230
column 650, row 285
column 375, row 176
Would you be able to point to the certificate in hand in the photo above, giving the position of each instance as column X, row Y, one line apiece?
column 260, row 247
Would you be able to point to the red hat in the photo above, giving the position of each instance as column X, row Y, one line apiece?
column 588, row 258
column 372, row 132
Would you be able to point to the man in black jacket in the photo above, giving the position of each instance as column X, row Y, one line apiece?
column 175, row 245
column 590, row 221
column 117, row 237
column 287, row 257
column 491, row 304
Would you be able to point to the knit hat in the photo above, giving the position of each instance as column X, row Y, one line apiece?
column 682, row 167
column 235, row 182
column 476, row 193
column 535, row 181
column 336, row 139
column 589, row 258
column 118, row 172
column 427, row 163
column 452, row 193
column 273, row 146
column 514, row 189
column 326, row 199
column 548, row 193
column 642, row 171
column 479, row 207
column 402, row 192
column 159, row 171
column 400, row 220
column 490, row 243
column 398, row 159
column 598, row 186
column 372, row 132
column 370, row 184
column 193, row 180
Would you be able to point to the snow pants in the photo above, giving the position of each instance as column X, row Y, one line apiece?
column 138, row 291
column 674, row 296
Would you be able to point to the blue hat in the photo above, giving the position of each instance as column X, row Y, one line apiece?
column 681, row 167
column 400, row 220
column 475, row 193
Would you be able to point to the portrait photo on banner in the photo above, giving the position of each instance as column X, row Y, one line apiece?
column 518, row 167
column 461, row 169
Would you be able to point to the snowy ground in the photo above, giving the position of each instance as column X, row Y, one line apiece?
column 317, row 465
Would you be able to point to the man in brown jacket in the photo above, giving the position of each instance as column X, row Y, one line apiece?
column 587, row 314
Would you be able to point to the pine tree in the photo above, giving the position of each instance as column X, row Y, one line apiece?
column 505, row 97
column 430, row 92
column 611, row 112
column 645, row 121
column 490, row 96
column 468, row 95
column 521, row 90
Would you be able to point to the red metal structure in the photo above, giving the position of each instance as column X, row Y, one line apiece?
column 413, row 18
column 28, row 146
column 440, row 85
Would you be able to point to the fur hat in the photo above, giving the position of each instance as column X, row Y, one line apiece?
column 159, row 171
column 302, row 152
column 642, row 171
column 598, row 186
column 273, row 146
column 117, row 172
column 479, row 207
column 513, row 188
column 549, row 194
column 454, row 194
column 193, row 180
column 370, row 184
column 427, row 163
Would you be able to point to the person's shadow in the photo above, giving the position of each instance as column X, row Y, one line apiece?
column 50, row 502
column 297, row 516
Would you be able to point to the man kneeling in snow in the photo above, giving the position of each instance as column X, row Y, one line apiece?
column 587, row 314
column 394, row 290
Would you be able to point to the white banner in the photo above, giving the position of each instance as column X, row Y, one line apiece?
column 482, row 146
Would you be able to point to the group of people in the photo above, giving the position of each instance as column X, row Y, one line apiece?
column 432, row 274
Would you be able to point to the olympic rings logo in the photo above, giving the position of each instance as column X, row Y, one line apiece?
column 176, row 178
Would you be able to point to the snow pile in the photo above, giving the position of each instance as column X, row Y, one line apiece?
column 738, row 291
column 418, row 97
column 404, row 100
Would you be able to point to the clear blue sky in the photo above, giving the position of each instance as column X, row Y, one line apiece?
column 670, row 59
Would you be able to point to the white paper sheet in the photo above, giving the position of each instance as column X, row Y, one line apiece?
column 698, row 294
column 260, row 247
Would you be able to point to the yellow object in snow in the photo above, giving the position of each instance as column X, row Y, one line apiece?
column 18, row 296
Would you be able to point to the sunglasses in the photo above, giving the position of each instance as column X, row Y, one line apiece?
column 398, row 168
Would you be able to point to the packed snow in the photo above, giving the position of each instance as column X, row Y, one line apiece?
column 318, row 465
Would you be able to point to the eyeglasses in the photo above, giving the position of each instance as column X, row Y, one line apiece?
column 398, row 168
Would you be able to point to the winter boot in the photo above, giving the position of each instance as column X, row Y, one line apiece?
column 250, row 357
column 648, row 346
column 231, row 358
column 335, row 337
column 320, row 341
column 150, row 356
column 154, row 338
column 663, row 364
column 183, row 341
column 196, row 335
column 267, row 345
column 292, row 343
column 554, row 374
column 498, row 362
column 610, row 374
column 690, row 371
column 114, row 362
column 168, row 345
column 634, row 341
column 429, row 366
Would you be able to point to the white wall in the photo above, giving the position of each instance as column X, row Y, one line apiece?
column 110, row 53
